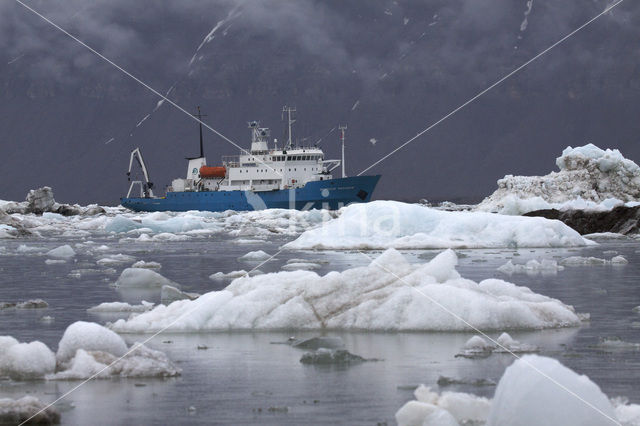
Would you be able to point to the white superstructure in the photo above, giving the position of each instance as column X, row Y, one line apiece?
column 259, row 169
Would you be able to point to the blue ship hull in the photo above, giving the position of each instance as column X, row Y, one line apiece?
column 327, row 194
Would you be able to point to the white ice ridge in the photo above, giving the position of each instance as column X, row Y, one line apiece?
column 387, row 295
column 524, row 397
column 384, row 224
column 85, row 349
column 589, row 178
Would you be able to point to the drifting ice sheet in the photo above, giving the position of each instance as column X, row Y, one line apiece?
column 375, row 297
column 384, row 224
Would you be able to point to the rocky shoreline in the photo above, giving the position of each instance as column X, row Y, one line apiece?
column 621, row 220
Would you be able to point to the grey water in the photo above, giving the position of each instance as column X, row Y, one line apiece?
column 245, row 378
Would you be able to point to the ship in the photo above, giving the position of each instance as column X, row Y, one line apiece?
column 266, row 176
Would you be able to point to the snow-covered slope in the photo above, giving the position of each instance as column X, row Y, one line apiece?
column 388, row 294
column 384, row 224
column 589, row 178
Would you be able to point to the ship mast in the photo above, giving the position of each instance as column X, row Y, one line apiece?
column 199, row 115
column 342, row 129
column 290, row 121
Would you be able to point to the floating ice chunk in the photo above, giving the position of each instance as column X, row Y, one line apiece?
column 452, row 408
column 627, row 414
column 324, row 356
column 121, row 307
column 615, row 343
column 62, row 252
column 146, row 265
column 522, row 391
column 23, row 248
column 140, row 277
column 619, row 260
column 27, row 361
column 170, row 294
column 32, row 304
column 300, row 266
column 232, row 274
column 579, row 260
column 532, row 267
column 115, row 259
column 255, row 256
column 18, row 411
column 54, row 261
column 139, row 362
column 121, row 224
column 90, row 337
column 476, row 347
column 5, row 343
column 384, row 224
column 508, row 344
column 388, row 294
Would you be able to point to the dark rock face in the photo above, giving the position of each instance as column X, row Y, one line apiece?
column 621, row 220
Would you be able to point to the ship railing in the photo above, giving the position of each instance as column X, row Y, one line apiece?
column 231, row 161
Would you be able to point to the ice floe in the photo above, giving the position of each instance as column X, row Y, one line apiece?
column 26, row 361
column 27, row 304
column 28, row 408
column 146, row 265
column 86, row 349
column 62, row 252
column 589, row 179
column 120, row 307
column 532, row 267
column 170, row 294
column 142, row 278
column 91, row 337
column 255, row 256
column 388, row 294
column 582, row 261
column 533, row 391
column 115, row 259
column 385, row 224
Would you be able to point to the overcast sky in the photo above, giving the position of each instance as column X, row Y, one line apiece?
column 388, row 69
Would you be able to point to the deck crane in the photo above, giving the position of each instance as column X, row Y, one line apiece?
column 146, row 190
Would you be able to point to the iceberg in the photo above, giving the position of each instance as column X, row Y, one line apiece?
column 570, row 399
column 91, row 337
column 385, row 224
column 533, row 391
column 590, row 178
column 388, row 294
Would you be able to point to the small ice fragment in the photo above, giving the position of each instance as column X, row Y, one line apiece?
column 62, row 252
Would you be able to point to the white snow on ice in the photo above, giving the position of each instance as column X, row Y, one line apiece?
column 589, row 179
column 388, row 294
column 384, row 224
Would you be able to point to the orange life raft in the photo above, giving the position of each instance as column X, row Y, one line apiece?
column 212, row 172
